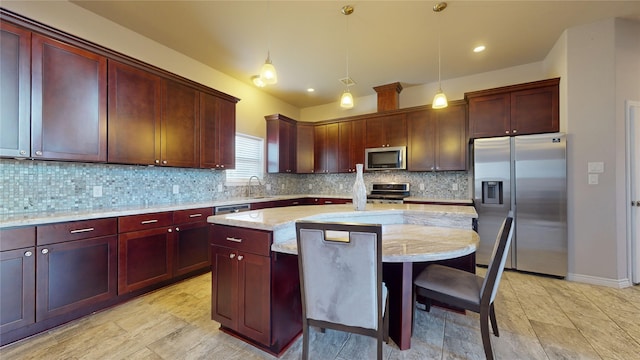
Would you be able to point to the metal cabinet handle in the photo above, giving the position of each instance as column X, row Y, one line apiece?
column 23, row 152
column 195, row 215
column 169, row 230
column 164, row 162
column 506, row 132
column 515, row 131
column 157, row 161
column 234, row 239
column 39, row 153
column 45, row 251
column 28, row 253
column 232, row 255
column 222, row 165
column 240, row 257
column 177, row 229
column 81, row 230
column 145, row 222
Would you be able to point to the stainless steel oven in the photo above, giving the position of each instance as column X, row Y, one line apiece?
column 388, row 193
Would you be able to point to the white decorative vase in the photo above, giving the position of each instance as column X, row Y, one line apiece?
column 359, row 190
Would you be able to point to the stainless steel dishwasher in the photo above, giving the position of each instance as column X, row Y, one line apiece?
column 230, row 209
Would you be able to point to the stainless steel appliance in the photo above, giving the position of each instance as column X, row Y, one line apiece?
column 527, row 175
column 385, row 158
column 388, row 193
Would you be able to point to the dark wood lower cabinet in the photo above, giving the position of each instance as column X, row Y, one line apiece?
column 75, row 274
column 145, row 258
column 17, row 288
column 192, row 247
column 247, row 300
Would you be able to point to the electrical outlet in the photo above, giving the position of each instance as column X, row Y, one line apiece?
column 219, row 187
column 596, row 167
column 268, row 187
column 593, row 179
column 454, row 187
column 97, row 191
column 176, row 189
column 340, row 186
column 421, row 186
column 282, row 186
column 310, row 186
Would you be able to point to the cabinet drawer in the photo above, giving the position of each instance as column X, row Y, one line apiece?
column 249, row 240
column 16, row 238
column 76, row 230
column 144, row 221
column 191, row 215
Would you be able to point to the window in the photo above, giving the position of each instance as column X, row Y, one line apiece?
column 249, row 160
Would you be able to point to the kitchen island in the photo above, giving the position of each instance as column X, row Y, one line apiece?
column 255, row 282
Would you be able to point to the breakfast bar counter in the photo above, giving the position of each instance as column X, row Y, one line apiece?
column 254, row 254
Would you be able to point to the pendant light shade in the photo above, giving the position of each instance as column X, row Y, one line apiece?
column 346, row 101
column 268, row 73
column 440, row 100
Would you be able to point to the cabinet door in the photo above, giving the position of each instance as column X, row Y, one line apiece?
column 75, row 274
column 217, row 133
column 358, row 139
column 489, row 116
column 325, row 152
column 535, row 111
column 451, row 138
column 68, row 102
column 421, row 139
column 134, row 115
column 180, row 127
column 254, row 297
column 15, row 87
column 144, row 258
column 224, row 282
column 304, row 145
column 375, row 133
column 389, row 130
column 192, row 247
column 287, row 140
column 17, row 288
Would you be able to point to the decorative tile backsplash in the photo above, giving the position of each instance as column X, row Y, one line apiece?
column 37, row 186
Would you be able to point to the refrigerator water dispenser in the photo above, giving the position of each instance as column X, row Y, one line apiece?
column 492, row 192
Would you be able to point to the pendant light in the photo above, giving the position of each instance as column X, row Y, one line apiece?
column 440, row 100
column 268, row 73
column 346, row 100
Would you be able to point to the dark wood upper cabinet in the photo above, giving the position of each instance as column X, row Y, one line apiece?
column 437, row 139
column 135, row 99
column 352, row 145
column 529, row 108
column 281, row 144
column 180, row 126
column 68, row 102
column 217, row 132
column 304, row 148
column 15, row 87
column 325, row 143
column 387, row 130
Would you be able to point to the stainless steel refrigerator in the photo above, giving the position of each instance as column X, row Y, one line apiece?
column 526, row 174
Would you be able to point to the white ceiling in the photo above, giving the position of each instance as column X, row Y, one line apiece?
column 388, row 41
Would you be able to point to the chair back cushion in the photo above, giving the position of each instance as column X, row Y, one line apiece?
column 498, row 259
column 340, row 272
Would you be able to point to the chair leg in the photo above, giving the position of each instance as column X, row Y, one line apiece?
column 494, row 322
column 305, row 341
column 413, row 310
column 385, row 322
column 379, row 350
column 484, row 330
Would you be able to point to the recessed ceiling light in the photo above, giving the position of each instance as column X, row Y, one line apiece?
column 311, row 90
column 479, row 48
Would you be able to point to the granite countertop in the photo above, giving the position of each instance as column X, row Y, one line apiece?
column 39, row 218
column 413, row 232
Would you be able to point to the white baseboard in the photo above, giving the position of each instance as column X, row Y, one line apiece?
column 593, row 280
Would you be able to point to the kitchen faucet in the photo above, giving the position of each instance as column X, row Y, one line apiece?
column 249, row 186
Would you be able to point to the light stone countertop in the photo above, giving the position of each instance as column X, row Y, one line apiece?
column 411, row 232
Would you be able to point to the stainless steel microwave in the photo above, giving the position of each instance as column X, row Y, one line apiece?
column 386, row 158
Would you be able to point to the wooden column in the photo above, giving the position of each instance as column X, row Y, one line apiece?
column 388, row 96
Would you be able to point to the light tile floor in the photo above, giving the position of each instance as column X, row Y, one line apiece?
column 539, row 318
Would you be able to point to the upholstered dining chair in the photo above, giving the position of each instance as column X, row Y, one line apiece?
column 341, row 285
column 467, row 290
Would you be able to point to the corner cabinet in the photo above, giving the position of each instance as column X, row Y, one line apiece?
column 246, row 300
column 529, row 108
column 281, row 144
column 437, row 139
